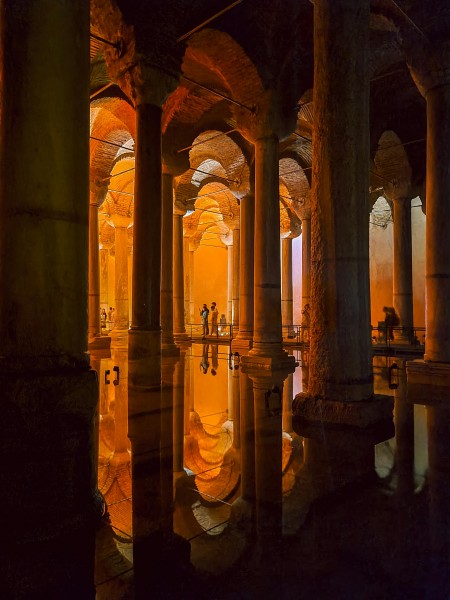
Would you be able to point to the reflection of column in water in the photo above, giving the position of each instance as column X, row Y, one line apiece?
column 267, row 395
column 191, row 385
column 167, row 394
column 187, row 389
column 236, row 401
column 230, row 394
column 438, row 423
column 104, row 388
column 305, row 369
column 288, row 396
column 96, row 366
column 119, row 359
column 404, row 436
column 247, row 438
column 178, row 414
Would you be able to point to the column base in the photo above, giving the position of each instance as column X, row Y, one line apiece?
column 181, row 337
column 360, row 414
column 279, row 361
column 428, row 383
column 241, row 345
column 119, row 338
column 101, row 343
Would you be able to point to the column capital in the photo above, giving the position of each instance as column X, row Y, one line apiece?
column 268, row 119
column 429, row 64
column 98, row 188
column 147, row 84
column 398, row 189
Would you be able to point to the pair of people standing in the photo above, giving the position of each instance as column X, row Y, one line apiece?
column 204, row 315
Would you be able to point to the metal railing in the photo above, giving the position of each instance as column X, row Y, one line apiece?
column 386, row 336
column 224, row 331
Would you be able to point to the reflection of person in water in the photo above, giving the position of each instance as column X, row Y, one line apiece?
column 214, row 359
column 204, row 365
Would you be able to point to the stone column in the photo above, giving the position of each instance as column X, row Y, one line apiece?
column 402, row 279
column 104, row 254
column 48, row 394
column 192, row 314
column 187, row 280
column 98, row 190
column 267, row 317
column 287, row 308
column 167, row 260
column 121, row 317
column 437, row 346
column 236, row 409
column 429, row 67
column 247, row 229
column 145, row 398
column 306, row 260
column 179, row 329
column 340, row 346
column 230, row 283
column 235, row 280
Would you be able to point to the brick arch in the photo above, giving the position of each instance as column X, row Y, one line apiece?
column 107, row 127
column 220, row 54
column 391, row 162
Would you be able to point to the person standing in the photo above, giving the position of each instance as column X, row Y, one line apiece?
column 204, row 312
column 214, row 319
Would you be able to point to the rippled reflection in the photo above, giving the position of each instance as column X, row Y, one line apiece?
column 387, row 482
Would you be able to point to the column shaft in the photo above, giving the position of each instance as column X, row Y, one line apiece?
column 247, row 437
column 147, row 219
column 306, row 262
column 402, row 279
column 121, row 321
column 192, row 315
column 104, row 254
column 230, row 284
column 246, row 296
column 267, row 316
column 94, row 328
column 48, row 394
column 235, row 278
column 287, row 309
column 167, row 259
column 437, row 225
column 340, row 362
column 179, row 328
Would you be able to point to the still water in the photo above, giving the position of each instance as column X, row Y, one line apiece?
column 363, row 515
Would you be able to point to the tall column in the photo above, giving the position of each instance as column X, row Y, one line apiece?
column 167, row 260
column 246, row 296
column 104, row 254
column 429, row 66
column 288, row 396
column 192, row 315
column 97, row 193
column 235, row 278
column 179, row 414
column 230, row 284
column 121, row 318
column 340, row 352
column 437, row 348
column 179, row 329
column 267, row 337
column 306, row 260
column 287, row 309
column 48, row 393
column 402, row 279
column 145, row 377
